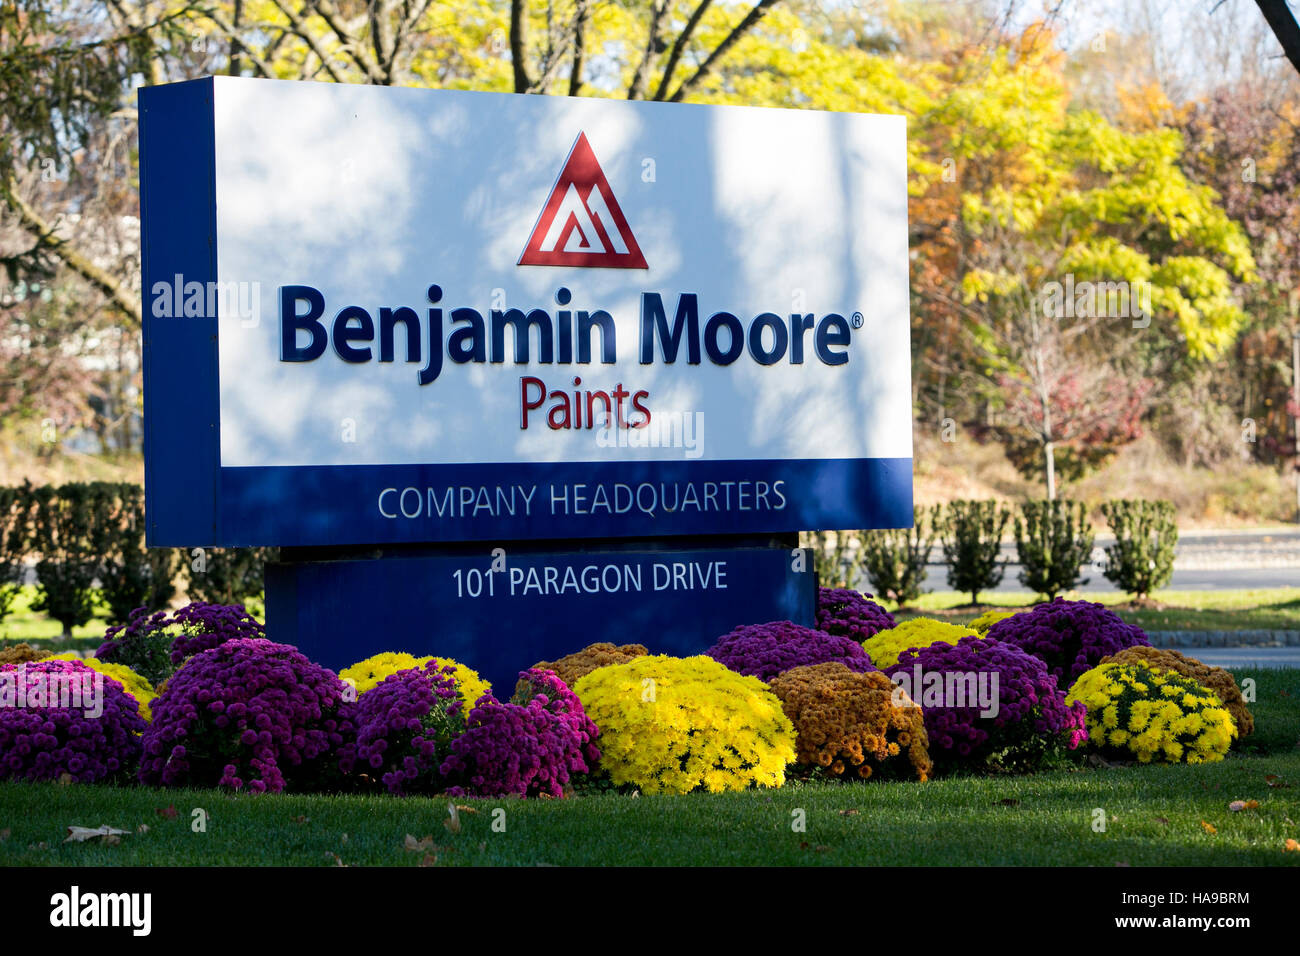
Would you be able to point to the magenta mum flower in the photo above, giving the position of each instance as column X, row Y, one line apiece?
column 1070, row 637
column 72, row 720
column 247, row 713
column 524, row 748
column 404, row 727
column 988, row 703
column 848, row 613
column 766, row 650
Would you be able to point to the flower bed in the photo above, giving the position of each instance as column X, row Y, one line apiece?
column 247, row 714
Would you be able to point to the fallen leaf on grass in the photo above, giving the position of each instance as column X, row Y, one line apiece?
column 338, row 860
column 429, row 859
column 302, row 819
column 1275, row 782
column 452, row 823
column 110, row 835
column 415, row 846
column 1209, row 828
column 1008, row 802
column 142, row 828
column 1164, row 820
column 1290, row 845
column 464, row 809
column 168, row 811
column 1238, row 805
column 66, row 778
column 848, row 813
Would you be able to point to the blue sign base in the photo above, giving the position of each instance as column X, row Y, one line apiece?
column 500, row 615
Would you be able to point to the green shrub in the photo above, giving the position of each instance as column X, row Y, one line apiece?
column 835, row 559
column 894, row 561
column 1053, row 541
column 226, row 575
column 1142, row 558
column 131, row 575
column 971, row 533
column 65, row 533
column 13, row 545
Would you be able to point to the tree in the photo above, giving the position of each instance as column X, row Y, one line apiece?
column 1057, row 207
column 971, row 534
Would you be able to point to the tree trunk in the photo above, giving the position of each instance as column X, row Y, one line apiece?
column 1049, row 453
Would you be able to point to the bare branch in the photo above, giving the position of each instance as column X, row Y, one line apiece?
column 675, row 55
column 519, row 45
column 751, row 19
column 579, row 43
column 43, row 232
column 354, row 48
column 637, row 90
column 303, row 32
column 229, row 31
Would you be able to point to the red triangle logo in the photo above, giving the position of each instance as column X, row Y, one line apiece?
column 581, row 223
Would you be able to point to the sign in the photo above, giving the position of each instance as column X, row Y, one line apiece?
column 381, row 316
column 502, row 617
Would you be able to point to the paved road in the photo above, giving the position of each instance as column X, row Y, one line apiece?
column 1233, row 657
column 1184, row 580
column 1204, row 561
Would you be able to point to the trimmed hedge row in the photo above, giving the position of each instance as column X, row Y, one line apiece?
column 1054, row 541
column 84, row 534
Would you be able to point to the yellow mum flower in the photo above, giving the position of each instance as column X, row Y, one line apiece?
column 886, row 646
column 372, row 671
column 135, row 685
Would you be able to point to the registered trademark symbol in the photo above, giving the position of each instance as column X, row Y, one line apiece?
column 857, row 320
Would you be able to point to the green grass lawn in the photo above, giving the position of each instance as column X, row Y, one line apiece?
column 1261, row 609
column 1235, row 610
column 1154, row 815
column 24, row 624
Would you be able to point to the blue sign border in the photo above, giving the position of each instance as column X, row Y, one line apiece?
column 178, row 222
column 191, row 501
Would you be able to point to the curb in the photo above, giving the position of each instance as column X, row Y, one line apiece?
column 1224, row 638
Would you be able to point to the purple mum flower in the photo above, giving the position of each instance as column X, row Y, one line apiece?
column 766, row 650
column 404, row 727
column 849, row 613
column 970, row 718
column 1070, row 637
column 524, row 748
column 248, row 713
column 73, row 720
column 204, row 626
